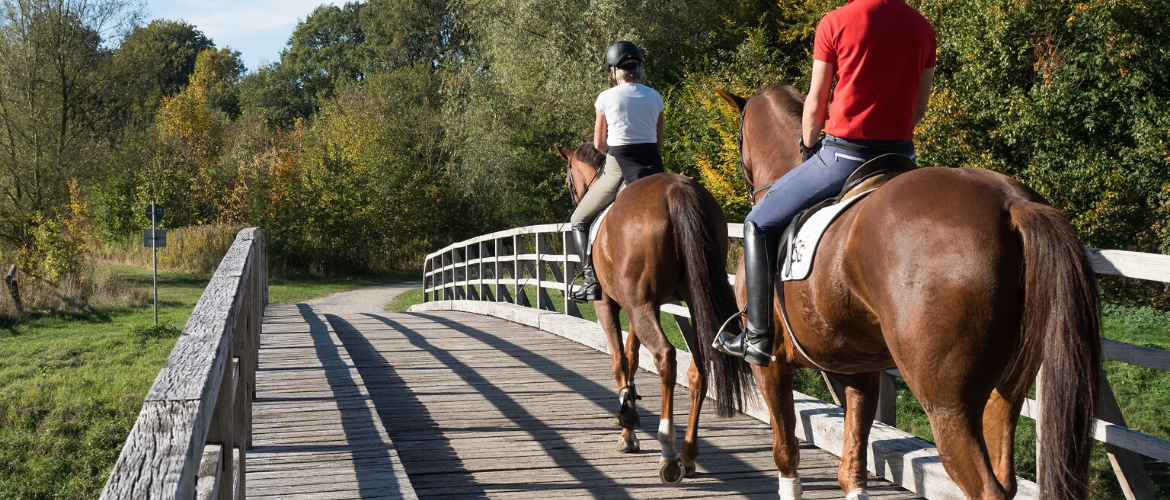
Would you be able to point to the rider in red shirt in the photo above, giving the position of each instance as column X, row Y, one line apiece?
column 882, row 55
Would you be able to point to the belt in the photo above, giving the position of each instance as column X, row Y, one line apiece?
column 872, row 149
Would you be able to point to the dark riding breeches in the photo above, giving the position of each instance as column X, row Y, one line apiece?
column 821, row 177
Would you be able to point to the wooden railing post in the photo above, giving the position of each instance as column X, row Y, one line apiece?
column 192, row 435
column 887, row 410
column 542, row 299
column 570, row 306
column 1127, row 465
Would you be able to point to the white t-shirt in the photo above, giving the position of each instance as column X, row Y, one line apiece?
column 631, row 114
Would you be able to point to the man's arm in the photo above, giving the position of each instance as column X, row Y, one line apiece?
column 923, row 94
column 816, row 105
column 661, row 127
column 599, row 130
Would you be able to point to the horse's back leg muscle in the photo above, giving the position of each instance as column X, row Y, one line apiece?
column 861, row 393
column 999, row 430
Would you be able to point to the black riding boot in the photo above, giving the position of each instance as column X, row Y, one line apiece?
column 755, row 343
column 590, row 289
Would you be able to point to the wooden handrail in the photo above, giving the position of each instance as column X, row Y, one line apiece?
column 443, row 281
column 199, row 410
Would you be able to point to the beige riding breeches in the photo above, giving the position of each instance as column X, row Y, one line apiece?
column 600, row 194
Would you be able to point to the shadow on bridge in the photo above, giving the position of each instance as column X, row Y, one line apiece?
column 603, row 472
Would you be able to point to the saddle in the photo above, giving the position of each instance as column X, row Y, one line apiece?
column 804, row 233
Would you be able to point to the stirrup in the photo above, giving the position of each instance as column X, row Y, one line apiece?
column 723, row 327
column 585, row 297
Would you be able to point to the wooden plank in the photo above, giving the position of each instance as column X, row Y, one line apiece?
column 887, row 411
column 316, row 432
column 162, row 454
column 210, row 473
column 1156, row 359
column 897, row 456
column 1117, row 435
column 1146, row 266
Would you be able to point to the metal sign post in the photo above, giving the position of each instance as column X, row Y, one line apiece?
column 154, row 239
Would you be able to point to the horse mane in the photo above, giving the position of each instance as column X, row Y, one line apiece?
column 785, row 97
column 589, row 154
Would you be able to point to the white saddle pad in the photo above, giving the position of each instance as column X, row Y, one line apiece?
column 802, row 247
column 597, row 224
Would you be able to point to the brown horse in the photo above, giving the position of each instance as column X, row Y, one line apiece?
column 965, row 280
column 665, row 237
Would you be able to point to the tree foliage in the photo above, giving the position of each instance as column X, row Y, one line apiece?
column 379, row 112
column 154, row 62
column 53, row 116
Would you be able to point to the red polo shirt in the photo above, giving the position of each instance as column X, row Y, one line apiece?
column 878, row 49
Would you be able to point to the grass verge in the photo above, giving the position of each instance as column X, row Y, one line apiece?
column 73, row 381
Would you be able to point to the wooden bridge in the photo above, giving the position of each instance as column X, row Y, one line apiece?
column 476, row 396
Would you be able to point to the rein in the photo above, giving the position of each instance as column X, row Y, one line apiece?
column 752, row 190
column 569, row 179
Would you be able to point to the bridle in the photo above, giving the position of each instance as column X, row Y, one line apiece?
column 752, row 191
column 569, row 179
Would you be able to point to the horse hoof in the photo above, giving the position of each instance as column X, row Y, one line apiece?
column 690, row 470
column 671, row 471
column 630, row 446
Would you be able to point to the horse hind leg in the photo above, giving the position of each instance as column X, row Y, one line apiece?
column 645, row 319
column 954, row 401
column 607, row 316
column 1000, row 416
column 697, row 376
column 861, row 397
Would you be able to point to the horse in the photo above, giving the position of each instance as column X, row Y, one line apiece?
column 966, row 281
column 664, row 237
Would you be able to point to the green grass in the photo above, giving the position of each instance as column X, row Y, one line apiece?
column 404, row 300
column 71, row 383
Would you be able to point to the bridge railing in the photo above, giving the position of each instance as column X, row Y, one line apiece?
column 192, row 435
column 508, row 265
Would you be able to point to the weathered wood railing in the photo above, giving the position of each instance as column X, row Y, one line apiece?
column 505, row 266
column 192, row 435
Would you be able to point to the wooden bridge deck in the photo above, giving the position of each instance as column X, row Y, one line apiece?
column 457, row 405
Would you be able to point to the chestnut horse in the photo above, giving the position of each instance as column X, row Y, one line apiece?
column 965, row 280
column 665, row 237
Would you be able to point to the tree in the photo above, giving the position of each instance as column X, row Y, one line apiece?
column 52, row 89
column 153, row 62
column 328, row 48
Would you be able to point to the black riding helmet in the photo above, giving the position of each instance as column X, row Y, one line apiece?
column 621, row 52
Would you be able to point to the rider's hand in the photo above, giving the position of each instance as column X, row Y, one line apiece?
column 807, row 152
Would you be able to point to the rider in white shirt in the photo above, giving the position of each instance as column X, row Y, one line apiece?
column 629, row 129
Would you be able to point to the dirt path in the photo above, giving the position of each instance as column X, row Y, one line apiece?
column 371, row 299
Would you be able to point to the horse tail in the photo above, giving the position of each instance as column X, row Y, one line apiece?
column 1061, row 330
column 698, row 220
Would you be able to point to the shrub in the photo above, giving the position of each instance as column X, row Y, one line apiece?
column 163, row 330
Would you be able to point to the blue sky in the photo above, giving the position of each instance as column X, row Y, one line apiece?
column 258, row 29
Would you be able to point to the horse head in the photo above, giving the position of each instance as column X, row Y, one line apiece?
column 769, row 133
column 585, row 165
